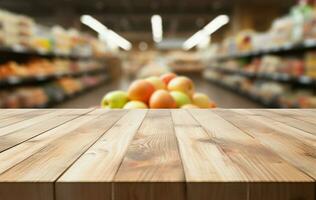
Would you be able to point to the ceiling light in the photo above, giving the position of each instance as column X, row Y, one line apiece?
column 120, row 41
column 156, row 24
column 93, row 23
column 208, row 30
column 215, row 24
column 105, row 33
column 193, row 40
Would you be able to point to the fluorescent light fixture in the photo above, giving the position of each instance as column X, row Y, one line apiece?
column 93, row 23
column 215, row 24
column 194, row 40
column 120, row 41
column 105, row 33
column 208, row 30
column 156, row 25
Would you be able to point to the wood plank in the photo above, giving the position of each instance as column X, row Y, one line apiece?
column 209, row 172
column 5, row 113
column 41, row 124
column 49, row 158
column 293, row 145
column 299, row 124
column 303, row 115
column 26, row 191
column 284, row 191
column 24, row 120
column 152, row 159
column 91, row 177
column 256, row 162
column 13, row 156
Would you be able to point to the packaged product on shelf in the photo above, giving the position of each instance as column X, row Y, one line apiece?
column 244, row 41
column 42, row 40
column 21, row 33
column 42, row 68
column 296, row 28
column 310, row 64
column 52, row 92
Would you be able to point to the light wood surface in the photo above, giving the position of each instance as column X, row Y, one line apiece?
column 94, row 154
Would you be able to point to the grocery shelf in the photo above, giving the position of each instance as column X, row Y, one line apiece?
column 17, row 81
column 271, row 103
column 65, row 98
column 8, row 52
column 284, row 50
column 303, row 80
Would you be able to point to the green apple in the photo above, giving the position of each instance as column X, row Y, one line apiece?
column 135, row 105
column 180, row 98
column 114, row 99
column 156, row 82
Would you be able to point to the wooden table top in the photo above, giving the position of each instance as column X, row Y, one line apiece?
column 94, row 154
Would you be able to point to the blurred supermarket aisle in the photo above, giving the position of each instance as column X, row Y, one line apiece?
column 224, row 98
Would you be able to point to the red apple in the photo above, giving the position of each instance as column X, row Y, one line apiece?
column 166, row 78
column 212, row 105
column 161, row 99
column 140, row 90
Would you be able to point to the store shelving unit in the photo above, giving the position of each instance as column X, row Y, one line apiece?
column 16, row 81
column 268, row 103
column 283, row 50
column 303, row 80
column 65, row 98
column 36, row 80
column 292, row 50
column 22, row 54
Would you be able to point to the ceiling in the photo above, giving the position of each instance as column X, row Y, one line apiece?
column 180, row 17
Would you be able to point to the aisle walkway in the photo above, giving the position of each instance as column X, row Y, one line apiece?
column 224, row 98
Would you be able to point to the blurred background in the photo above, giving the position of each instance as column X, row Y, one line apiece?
column 241, row 53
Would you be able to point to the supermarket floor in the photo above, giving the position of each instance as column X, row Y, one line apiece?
column 223, row 98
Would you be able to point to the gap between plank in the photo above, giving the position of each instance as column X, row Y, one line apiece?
column 113, row 182
column 284, row 123
column 80, row 115
column 55, row 181
column 276, row 153
column 180, row 155
column 41, row 147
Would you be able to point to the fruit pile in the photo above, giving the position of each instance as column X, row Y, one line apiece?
column 167, row 91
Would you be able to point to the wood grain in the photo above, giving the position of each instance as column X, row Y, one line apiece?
column 42, row 124
column 95, row 154
column 5, row 113
column 51, row 160
column 296, row 123
column 262, row 166
column 293, row 145
column 100, row 163
column 152, row 158
column 208, row 170
column 307, row 116
column 20, row 118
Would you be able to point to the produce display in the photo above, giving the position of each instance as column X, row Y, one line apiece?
column 44, row 67
column 50, row 93
column 166, row 91
column 22, row 33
